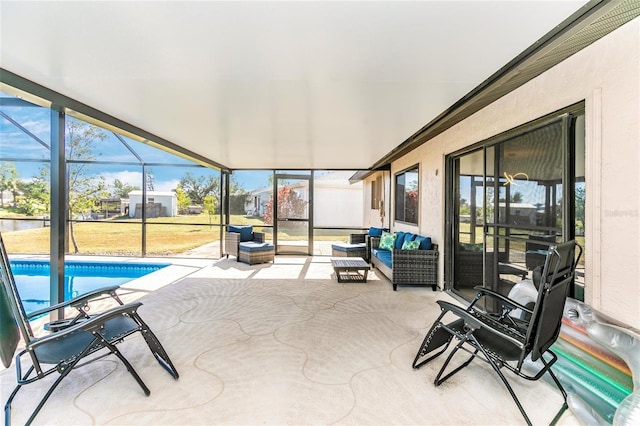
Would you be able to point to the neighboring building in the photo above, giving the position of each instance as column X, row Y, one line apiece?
column 330, row 189
column 159, row 204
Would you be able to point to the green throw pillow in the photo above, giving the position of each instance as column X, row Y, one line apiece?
column 410, row 245
column 387, row 240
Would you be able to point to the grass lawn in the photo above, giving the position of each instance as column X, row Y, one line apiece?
column 166, row 236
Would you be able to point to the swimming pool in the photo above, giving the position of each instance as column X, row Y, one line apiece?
column 32, row 278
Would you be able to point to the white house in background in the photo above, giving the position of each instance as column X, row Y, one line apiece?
column 336, row 201
column 159, row 204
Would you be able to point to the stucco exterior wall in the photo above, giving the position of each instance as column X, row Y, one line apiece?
column 606, row 75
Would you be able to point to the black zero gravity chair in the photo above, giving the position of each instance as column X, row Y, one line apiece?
column 503, row 338
column 72, row 343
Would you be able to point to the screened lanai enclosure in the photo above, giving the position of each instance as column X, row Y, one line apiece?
column 128, row 195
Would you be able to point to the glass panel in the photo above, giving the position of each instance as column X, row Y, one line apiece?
column 338, row 207
column 528, row 216
column 24, row 176
column 183, row 240
column 406, row 196
column 25, row 236
column 25, row 130
column 579, row 202
column 106, row 237
column 336, row 201
column 531, row 172
column 468, row 244
column 292, row 215
column 250, row 193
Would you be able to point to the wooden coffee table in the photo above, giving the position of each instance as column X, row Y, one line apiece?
column 350, row 270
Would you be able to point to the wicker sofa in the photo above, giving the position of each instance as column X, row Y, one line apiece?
column 407, row 267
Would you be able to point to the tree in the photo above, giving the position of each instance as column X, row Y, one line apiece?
column 8, row 180
column 237, row 198
column 516, row 198
column 36, row 199
column 290, row 205
column 84, row 189
column 122, row 190
column 198, row 187
column 210, row 206
column 182, row 200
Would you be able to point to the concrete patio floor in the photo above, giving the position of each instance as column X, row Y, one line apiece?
column 280, row 344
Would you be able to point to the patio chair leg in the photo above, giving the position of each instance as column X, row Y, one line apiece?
column 157, row 350
column 507, row 385
column 126, row 363
column 438, row 381
column 63, row 373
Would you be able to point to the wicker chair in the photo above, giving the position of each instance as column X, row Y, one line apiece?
column 232, row 241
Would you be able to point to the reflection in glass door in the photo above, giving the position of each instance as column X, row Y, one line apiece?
column 292, row 219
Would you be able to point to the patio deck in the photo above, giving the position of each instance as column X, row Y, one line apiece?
column 283, row 344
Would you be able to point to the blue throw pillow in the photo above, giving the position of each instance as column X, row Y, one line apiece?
column 400, row 240
column 375, row 232
column 425, row 242
column 246, row 232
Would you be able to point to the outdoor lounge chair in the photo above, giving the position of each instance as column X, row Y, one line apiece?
column 72, row 343
column 502, row 338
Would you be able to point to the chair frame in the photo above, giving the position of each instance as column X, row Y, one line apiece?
column 501, row 339
column 71, row 340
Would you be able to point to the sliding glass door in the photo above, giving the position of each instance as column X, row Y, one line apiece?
column 511, row 199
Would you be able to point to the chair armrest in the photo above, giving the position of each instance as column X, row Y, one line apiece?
column 374, row 242
column 258, row 237
column 80, row 300
column 475, row 320
column 483, row 291
column 231, row 241
column 91, row 324
column 415, row 255
column 357, row 238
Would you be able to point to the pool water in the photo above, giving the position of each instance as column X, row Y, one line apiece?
column 32, row 278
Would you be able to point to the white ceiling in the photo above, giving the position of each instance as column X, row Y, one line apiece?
column 272, row 84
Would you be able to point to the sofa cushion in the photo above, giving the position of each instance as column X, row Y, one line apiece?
column 385, row 256
column 410, row 245
column 246, row 232
column 375, row 232
column 387, row 241
column 425, row 242
column 399, row 239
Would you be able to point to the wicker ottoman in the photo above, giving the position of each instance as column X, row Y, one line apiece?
column 252, row 252
column 349, row 250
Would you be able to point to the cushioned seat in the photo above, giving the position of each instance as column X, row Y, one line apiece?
column 349, row 250
column 252, row 252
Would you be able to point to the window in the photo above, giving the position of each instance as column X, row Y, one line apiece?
column 376, row 193
column 406, row 193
